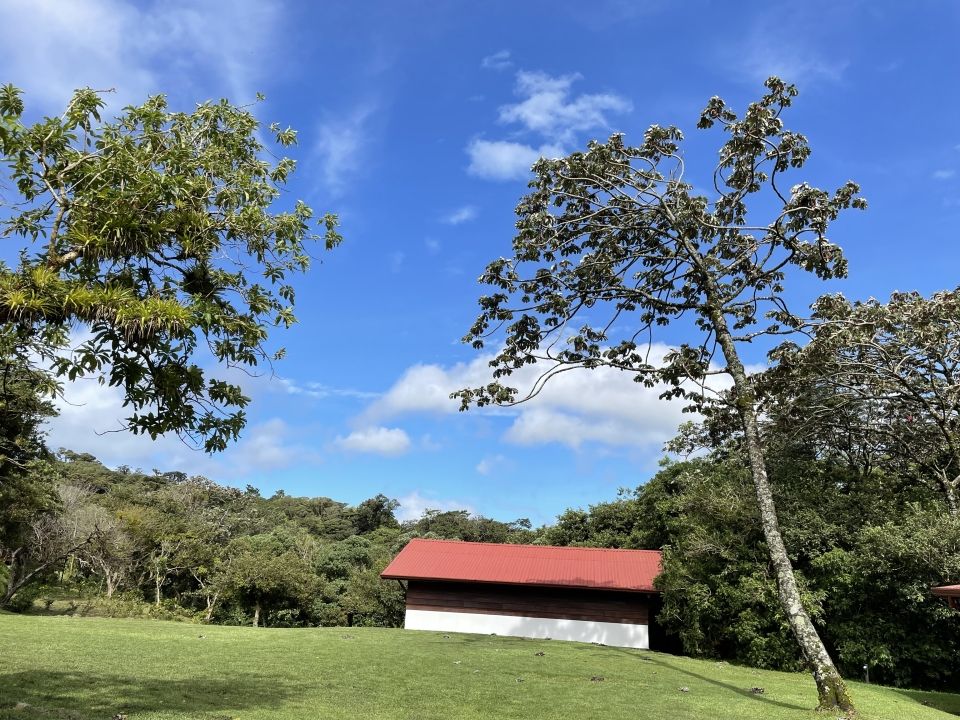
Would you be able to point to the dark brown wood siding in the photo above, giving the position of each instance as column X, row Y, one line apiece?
column 559, row 603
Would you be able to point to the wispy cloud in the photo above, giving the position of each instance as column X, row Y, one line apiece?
column 340, row 147
column 944, row 174
column 269, row 446
column 413, row 506
column 766, row 50
column 490, row 464
column 460, row 215
column 91, row 420
column 320, row 391
column 499, row 60
column 547, row 107
column 178, row 47
column 548, row 111
column 376, row 441
column 795, row 65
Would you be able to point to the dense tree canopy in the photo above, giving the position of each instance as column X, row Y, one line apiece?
column 882, row 381
column 190, row 547
column 154, row 233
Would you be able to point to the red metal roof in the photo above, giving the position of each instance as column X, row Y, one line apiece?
column 542, row 565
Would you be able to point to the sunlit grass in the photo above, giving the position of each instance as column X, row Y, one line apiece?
column 94, row 668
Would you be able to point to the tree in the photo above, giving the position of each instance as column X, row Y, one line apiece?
column 886, row 378
column 866, row 550
column 717, row 593
column 30, row 505
column 376, row 512
column 114, row 553
column 45, row 537
column 265, row 575
column 461, row 525
column 616, row 235
column 155, row 233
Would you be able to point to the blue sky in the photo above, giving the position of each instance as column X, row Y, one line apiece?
column 418, row 122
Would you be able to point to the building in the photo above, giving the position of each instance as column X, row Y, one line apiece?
column 563, row 593
column 950, row 593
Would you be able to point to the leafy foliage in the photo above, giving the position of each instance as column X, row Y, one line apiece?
column 866, row 551
column 617, row 237
column 881, row 383
column 187, row 545
column 154, row 232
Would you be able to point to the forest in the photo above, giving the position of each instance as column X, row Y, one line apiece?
column 867, row 539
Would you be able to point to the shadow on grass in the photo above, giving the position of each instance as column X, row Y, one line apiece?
column 744, row 692
column 86, row 694
column 945, row 702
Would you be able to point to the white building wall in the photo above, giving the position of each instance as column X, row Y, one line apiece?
column 606, row 633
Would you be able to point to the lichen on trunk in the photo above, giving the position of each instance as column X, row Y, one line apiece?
column 831, row 690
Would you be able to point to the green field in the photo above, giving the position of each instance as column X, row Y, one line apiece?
column 94, row 668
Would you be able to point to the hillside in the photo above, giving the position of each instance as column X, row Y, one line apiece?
column 91, row 668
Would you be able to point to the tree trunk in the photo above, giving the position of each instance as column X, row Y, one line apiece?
column 256, row 614
column 17, row 576
column 831, row 689
column 211, row 604
column 14, row 571
column 950, row 493
column 112, row 581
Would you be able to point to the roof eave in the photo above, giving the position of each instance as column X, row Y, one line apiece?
column 952, row 591
column 647, row 590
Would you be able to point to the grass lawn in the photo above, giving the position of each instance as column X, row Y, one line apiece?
column 92, row 668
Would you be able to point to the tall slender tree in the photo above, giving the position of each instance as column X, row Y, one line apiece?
column 618, row 238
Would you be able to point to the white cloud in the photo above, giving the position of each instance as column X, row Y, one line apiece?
column 460, row 215
column 375, row 440
column 427, row 388
column 267, row 446
column 647, row 427
column 944, row 174
column 504, row 160
column 179, row 47
column 490, row 464
column 340, row 147
column 413, row 506
column 602, row 405
column 91, row 420
column 548, row 109
column 497, row 61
